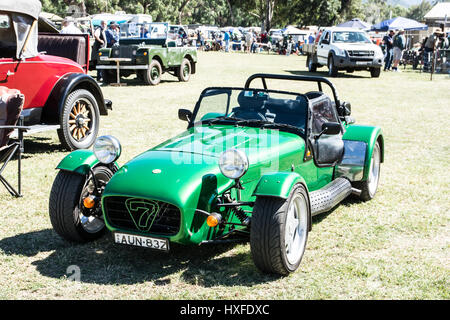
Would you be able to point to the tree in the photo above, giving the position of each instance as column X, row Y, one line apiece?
column 418, row 12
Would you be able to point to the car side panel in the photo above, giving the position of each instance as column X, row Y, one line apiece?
column 35, row 77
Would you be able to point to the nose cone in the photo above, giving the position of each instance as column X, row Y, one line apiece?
column 171, row 177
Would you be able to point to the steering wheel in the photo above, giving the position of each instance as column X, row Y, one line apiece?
column 249, row 115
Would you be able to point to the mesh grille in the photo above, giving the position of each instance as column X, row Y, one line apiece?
column 165, row 222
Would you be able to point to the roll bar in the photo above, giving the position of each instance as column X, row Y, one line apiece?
column 319, row 80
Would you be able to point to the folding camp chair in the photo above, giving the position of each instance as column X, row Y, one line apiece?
column 11, row 104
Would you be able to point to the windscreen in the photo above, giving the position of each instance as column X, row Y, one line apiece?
column 144, row 30
column 7, row 37
column 260, row 106
column 350, row 37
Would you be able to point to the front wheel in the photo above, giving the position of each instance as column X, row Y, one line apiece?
column 69, row 218
column 332, row 70
column 279, row 231
column 79, row 120
column 312, row 67
column 375, row 72
column 153, row 74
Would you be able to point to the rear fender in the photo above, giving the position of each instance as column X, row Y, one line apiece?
column 66, row 85
column 369, row 135
column 81, row 162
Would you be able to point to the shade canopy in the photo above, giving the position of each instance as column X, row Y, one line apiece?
column 356, row 24
column 399, row 23
column 294, row 31
column 29, row 7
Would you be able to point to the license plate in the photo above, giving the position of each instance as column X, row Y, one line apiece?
column 362, row 62
column 139, row 241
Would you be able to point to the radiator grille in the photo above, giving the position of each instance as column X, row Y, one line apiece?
column 142, row 215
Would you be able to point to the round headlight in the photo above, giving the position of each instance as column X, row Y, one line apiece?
column 107, row 149
column 233, row 163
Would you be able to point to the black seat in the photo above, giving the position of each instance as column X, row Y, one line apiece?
column 288, row 111
column 250, row 106
column 11, row 104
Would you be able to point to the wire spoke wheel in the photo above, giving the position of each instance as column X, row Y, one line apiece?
column 80, row 119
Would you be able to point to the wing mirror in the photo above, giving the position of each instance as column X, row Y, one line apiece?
column 331, row 128
column 185, row 115
column 345, row 109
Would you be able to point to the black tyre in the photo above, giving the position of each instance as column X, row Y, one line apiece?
column 79, row 120
column 375, row 72
column 65, row 206
column 153, row 74
column 279, row 231
column 332, row 70
column 369, row 187
column 184, row 71
column 312, row 67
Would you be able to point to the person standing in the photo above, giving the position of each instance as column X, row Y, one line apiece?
column 99, row 42
column 388, row 41
column 112, row 34
column 399, row 45
column 68, row 27
column 226, row 38
column 248, row 41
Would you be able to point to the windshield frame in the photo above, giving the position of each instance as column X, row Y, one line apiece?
column 193, row 122
column 126, row 26
column 366, row 36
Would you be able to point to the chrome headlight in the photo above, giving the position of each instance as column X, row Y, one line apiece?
column 107, row 149
column 233, row 163
column 340, row 52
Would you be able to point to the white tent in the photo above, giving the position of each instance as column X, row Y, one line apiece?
column 438, row 14
column 291, row 30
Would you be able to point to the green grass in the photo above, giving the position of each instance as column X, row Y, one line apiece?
column 393, row 247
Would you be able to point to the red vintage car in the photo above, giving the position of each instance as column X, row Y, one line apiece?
column 50, row 70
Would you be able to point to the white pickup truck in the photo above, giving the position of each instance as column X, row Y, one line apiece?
column 344, row 49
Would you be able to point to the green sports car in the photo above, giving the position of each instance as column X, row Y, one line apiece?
column 253, row 164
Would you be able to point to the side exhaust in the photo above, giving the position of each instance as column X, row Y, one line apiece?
column 328, row 197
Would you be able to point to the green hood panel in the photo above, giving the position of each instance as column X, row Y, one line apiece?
column 185, row 160
column 213, row 140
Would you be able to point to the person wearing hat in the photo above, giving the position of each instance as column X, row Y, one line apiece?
column 112, row 34
column 429, row 47
column 399, row 45
column 388, row 41
column 68, row 27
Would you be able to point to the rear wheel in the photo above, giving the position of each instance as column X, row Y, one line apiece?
column 369, row 187
column 184, row 71
column 279, row 231
column 69, row 218
column 153, row 74
column 79, row 120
